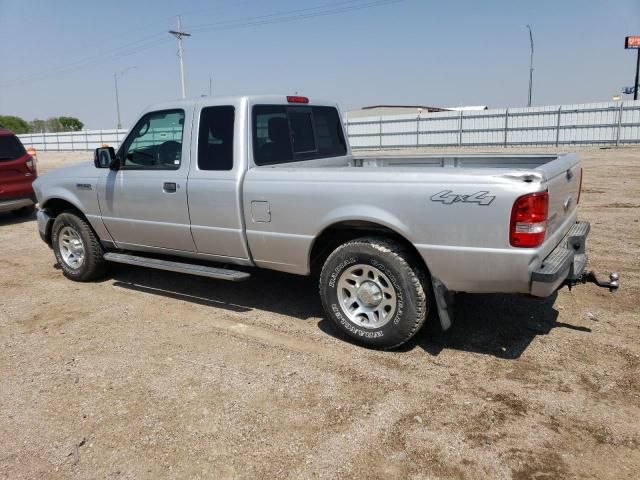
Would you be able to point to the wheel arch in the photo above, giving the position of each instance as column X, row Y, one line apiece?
column 346, row 230
column 55, row 206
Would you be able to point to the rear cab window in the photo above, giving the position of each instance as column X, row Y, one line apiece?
column 10, row 148
column 286, row 133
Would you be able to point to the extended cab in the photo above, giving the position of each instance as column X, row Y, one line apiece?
column 270, row 182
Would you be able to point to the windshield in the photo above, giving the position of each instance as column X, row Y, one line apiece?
column 10, row 148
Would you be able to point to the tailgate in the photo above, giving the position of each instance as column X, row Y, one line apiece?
column 564, row 177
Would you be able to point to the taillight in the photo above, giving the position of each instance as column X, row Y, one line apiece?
column 579, row 188
column 529, row 220
column 31, row 164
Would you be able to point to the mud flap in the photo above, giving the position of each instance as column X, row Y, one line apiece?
column 444, row 301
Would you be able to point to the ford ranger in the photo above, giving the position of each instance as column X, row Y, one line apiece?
column 200, row 186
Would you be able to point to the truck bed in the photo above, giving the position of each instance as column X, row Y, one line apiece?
column 457, row 160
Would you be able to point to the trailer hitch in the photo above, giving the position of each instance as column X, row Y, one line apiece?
column 590, row 277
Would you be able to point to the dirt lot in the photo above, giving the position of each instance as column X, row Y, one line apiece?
column 159, row 375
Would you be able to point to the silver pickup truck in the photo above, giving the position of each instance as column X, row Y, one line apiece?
column 200, row 186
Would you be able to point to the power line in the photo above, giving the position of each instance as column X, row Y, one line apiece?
column 326, row 9
column 277, row 14
column 286, row 17
column 95, row 59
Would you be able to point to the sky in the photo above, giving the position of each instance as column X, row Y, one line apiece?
column 60, row 57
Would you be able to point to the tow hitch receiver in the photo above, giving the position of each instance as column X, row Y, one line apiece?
column 590, row 276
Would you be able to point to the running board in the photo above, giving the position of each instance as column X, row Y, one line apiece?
column 201, row 270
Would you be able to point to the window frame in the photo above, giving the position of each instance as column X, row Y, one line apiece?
column 295, row 156
column 120, row 153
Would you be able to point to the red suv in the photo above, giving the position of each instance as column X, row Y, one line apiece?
column 17, row 173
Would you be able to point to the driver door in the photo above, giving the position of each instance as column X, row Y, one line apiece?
column 144, row 202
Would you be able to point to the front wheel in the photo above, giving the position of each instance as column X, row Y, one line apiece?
column 374, row 293
column 77, row 248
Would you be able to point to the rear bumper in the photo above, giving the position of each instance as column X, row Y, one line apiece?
column 9, row 204
column 566, row 262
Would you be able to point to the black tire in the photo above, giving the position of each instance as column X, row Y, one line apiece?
column 24, row 211
column 407, row 279
column 93, row 265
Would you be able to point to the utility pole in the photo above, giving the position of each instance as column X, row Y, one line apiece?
column 637, row 84
column 530, row 66
column 115, row 80
column 179, row 34
column 210, row 83
column 633, row 42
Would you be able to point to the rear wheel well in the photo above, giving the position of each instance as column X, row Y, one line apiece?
column 339, row 233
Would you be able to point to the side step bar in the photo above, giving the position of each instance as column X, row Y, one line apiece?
column 201, row 270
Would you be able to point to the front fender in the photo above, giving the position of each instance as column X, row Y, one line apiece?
column 84, row 199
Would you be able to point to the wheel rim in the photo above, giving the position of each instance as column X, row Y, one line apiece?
column 71, row 247
column 366, row 296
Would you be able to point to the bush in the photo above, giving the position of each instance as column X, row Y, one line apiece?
column 15, row 124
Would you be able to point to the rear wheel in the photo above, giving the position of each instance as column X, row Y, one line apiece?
column 374, row 292
column 77, row 248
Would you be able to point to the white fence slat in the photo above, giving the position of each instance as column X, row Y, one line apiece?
column 577, row 124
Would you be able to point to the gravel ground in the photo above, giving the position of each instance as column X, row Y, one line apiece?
column 149, row 374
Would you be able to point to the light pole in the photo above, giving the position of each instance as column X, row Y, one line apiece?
column 530, row 65
column 115, row 81
column 633, row 41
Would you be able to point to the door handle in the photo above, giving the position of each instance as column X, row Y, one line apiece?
column 169, row 187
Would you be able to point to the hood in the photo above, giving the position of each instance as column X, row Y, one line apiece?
column 63, row 177
column 78, row 170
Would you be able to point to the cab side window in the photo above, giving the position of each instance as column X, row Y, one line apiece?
column 215, row 138
column 155, row 143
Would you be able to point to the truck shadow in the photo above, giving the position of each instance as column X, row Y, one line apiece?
column 8, row 218
column 269, row 291
column 498, row 325
column 492, row 324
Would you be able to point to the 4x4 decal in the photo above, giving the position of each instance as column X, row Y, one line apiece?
column 448, row 197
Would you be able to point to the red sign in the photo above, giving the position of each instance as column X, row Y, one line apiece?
column 632, row 41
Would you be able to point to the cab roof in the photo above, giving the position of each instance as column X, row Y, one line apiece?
column 274, row 99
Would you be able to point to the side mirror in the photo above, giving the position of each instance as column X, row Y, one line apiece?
column 104, row 157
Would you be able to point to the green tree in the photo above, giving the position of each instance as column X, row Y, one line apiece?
column 15, row 124
column 52, row 124
column 37, row 126
column 70, row 124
